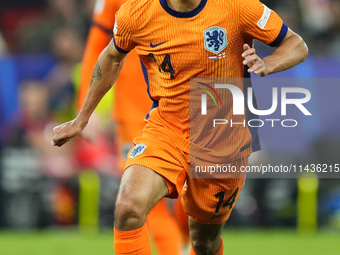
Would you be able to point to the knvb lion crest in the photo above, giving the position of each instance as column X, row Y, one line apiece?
column 215, row 39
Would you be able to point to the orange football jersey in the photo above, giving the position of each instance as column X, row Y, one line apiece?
column 132, row 102
column 206, row 42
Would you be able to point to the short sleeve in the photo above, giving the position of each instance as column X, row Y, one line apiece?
column 259, row 22
column 122, row 34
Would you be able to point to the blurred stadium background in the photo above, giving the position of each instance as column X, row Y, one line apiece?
column 60, row 200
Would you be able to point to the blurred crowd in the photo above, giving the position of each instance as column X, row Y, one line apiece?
column 32, row 26
column 317, row 21
column 38, row 183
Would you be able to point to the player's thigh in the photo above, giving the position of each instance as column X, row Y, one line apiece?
column 141, row 188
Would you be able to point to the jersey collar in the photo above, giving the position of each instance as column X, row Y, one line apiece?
column 188, row 14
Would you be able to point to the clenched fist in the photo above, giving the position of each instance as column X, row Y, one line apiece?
column 64, row 132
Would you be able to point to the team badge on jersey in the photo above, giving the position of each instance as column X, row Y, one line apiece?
column 215, row 39
column 139, row 149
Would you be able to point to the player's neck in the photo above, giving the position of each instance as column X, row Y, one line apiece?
column 183, row 5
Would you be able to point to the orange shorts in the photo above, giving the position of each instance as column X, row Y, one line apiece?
column 207, row 200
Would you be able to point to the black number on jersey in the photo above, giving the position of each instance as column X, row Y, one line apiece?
column 166, row 65
column 230, row 201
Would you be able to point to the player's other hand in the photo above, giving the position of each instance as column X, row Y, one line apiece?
column 255, row 63
column 64, row 132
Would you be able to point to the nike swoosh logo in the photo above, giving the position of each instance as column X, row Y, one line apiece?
column 156, row 45
column 216, row 216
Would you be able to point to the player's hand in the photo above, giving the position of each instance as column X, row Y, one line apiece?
column 64, row 132
column 93, row 129
column 255, row 63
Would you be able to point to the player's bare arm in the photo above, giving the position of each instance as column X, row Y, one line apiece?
column 104, row 75
column 290, row 52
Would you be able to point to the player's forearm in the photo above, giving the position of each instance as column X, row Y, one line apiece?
column 96, row 42
column 290, row 52
column 103, row 77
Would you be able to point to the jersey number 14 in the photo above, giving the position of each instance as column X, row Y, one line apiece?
column 166, row 65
